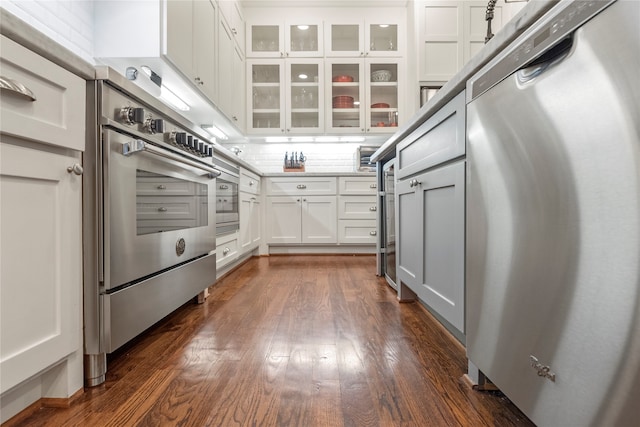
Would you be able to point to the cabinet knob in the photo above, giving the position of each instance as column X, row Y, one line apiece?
column 301, row 186
column 251, row 183
column 76, row 168
column 373, row 185
column 373, row 208
column 235, row 118
column 234, row 31
column 304, row 200
column 373, row 233
column 226, row 251
column 163, row 209
column 414, row 183
column 297, row 200
column 161, row 187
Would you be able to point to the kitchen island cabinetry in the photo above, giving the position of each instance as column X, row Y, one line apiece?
column 431, row 215
column 302, row 211
column 42, row 136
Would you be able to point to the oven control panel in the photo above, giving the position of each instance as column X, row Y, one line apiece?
column 156, row 127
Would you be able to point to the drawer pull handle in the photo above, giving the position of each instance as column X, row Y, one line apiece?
column 301, row 186
column 373, row 233
column 163, row 209
column 373, row 186
column 9, row 85
column 223, row 187
column 414, row 183
column 225, row 251
column 373, row 208
column 162, row 187
column 76, row 168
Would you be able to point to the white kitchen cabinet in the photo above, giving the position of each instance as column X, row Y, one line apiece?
column 231, row 82
column 227, row 249
column 431, row 240
column 302, row 219
column 231, row 14
column 299, row 39
column 357, row 210
column 286, row 96
column 450, row 33
column 191, row 42
column 361, row 101
column 382, row 36
column 250, row 213
column 41, row 139
column 302, row 210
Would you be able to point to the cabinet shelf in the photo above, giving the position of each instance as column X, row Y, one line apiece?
column 384, row 84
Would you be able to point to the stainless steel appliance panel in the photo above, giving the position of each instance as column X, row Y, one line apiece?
column 135, row 253
column 553, row 223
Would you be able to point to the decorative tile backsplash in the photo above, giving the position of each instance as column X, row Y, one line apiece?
column 321, row 157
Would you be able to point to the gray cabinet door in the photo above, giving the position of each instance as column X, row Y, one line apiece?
column 441, row 199
column 430, row 242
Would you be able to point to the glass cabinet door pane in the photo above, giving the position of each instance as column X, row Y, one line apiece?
column 345, row 96
column 304, row 38
column 266, row 96
column 383, row 96
column 383, row 37
column 305, row 96
column 345, row 38
column 265, row 38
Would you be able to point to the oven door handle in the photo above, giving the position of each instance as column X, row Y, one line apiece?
column 137, row 145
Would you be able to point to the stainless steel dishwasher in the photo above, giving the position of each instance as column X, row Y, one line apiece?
column 553, row 217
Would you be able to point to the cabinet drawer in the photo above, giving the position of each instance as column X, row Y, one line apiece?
column 55, row 115
column 283, row 186
column 439, row 139
column 357, row 185
column 357, row 231
column 249, row 182
column 357, row 207
column 226, row 249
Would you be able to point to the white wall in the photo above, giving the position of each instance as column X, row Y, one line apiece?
column 68, row 22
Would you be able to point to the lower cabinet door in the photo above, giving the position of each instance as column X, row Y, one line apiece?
column 284, row 219
column 319, row 219
column 409, row 240
column 41, row 257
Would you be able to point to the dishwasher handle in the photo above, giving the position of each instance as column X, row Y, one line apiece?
column 553, row 56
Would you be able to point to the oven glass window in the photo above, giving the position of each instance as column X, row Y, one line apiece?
column 165, row 203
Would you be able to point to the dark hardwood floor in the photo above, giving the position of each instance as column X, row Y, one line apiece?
column 290, row 341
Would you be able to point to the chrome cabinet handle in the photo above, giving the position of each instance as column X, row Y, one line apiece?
column 414, row 183
column 162, row 187
column 234, row 31
column 304, row 200
column 226, row 251
column 373, row 208
column 251, row 183
column 163, row 209
column 373, row 233
column 76, row 168
column 373, row 186
column 301, row 186
column 223, row 187
column 12, row 86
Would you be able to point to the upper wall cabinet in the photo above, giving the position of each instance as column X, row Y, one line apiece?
column 452, row 31
column 291, row 39
column 377, row 37
column 231, row 13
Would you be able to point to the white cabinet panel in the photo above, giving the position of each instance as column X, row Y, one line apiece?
column 41, row 227
column 357, row 207
column 319, row 220
column 285, row 219
column 357, row 231
column 54, row 114
column 227, row 249
column 357, row 185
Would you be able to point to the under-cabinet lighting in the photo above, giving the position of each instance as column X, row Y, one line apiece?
column 352, row 139
column 302, row 76
column 167, row 95
column 215, row 131
column 276, row 139
column 384, row 25
column 302, row 139
column 327, row 139
column 303, row 27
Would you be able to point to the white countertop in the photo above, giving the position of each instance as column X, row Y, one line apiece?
column 516, row 26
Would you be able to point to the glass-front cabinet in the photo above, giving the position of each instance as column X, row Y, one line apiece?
column 266, row 101
column 286, row 96
column 354, row 39
column 305, row 97
column 364, row 95
column 293, row 40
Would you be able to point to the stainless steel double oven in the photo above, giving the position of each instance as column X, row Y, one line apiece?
column 149, row 216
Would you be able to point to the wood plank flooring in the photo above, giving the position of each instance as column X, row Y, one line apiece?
column 290, row 341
